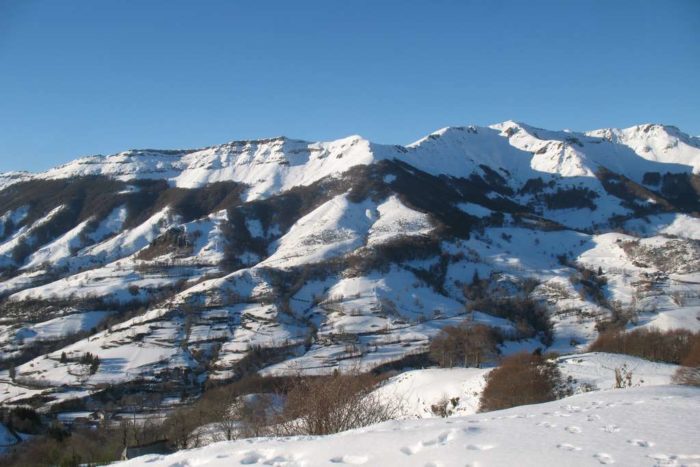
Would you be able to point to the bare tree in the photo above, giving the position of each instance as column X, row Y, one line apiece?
column 324, row 405
column 464, row 345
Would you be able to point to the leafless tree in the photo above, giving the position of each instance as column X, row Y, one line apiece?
column 464, row 345
column 324, row 405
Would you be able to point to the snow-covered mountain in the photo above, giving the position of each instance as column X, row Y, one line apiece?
column 279, row 256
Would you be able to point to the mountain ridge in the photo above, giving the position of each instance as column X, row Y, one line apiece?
column 175, row 161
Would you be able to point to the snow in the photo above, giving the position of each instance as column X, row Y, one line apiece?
column 111, row 224
column 339, row 226
column 60, row 249
column 24, row 234
column 639, row 426
column 475, row 209
column 658, row 143
column 680, row 225
column 362, row 318
column 11, row 392
column 10, row 178
column 458, row 152
column 132, row 240
column 13, row 217
column 61, row 326
column 130, row 350
column 521, row 250
column 607, row 253
column 395, row 219
column 209, row 239
column 670, row 319
column 416, row 391
column 336, row 227
column 269, row 166
column 572, row 154
column 607, row 206
column 110, row 282
column 597, row 370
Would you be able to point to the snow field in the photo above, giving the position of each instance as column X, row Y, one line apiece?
column 621, row 427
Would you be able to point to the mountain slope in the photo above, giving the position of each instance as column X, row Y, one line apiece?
column 276, row 256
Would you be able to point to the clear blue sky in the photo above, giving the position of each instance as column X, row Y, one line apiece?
column 87, row 77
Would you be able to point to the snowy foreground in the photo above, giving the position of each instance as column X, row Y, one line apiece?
column 647, row 426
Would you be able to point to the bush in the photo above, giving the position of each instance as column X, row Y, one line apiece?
column 464, row 345
column 689, row 373
column 444, row 407
column 325, row 405
column 93, row 361
column 87, row 446
column 531, row 318
column 23, row 419
column 689, row 376
column 571, row 198
column 651, row 178
column 651, row 344
column 522, row 379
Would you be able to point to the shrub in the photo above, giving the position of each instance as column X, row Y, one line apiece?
column 530, row 317
column 682, row 190
column 93, row 361
column 651, row 344
column 445, row 406
column 623, row 377
column 325, row 405
column 689, row 376
column 522, row 379
column 23, row 419
column 590, row 285
column 689, row 373
column 173, row 241
column 88, row 446
column 464, row 345
column 651, row 178
column 571, row 198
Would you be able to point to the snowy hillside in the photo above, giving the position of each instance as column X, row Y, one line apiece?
column 641, row 427
column 182, row 268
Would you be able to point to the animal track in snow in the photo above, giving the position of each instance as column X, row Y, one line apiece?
column 672, row 459
column 348, row 459
column 410, row 450
column 573, row 408
column 640, row 442
column 442, row 439
column 573, row 429
column 610, row 428
column 568, row 447
column 480, row 447
column 547, row 424
column 255, row 457
column 604, row 458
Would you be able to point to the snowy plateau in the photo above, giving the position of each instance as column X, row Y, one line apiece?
column 181, row 269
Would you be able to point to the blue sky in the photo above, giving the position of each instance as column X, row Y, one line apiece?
column 88, row 77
